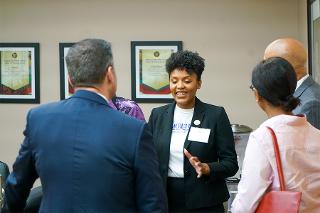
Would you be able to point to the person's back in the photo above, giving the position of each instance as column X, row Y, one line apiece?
column 89, row 157
column 273, row 83
column 299, row 151
column 73, row 183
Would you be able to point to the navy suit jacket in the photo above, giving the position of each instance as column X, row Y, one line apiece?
column 219, row 153
column 309, row 94
column 89, row 157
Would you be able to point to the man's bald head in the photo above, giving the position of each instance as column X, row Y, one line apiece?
column 291, row 50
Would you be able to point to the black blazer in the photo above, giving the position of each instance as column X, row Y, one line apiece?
column 219, row 153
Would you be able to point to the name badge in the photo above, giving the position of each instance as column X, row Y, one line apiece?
column 199, row 134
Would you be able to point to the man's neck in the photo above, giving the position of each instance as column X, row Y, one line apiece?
column 95, row 90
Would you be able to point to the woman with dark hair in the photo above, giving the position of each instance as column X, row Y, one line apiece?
column 273, row 83
column 194, row 141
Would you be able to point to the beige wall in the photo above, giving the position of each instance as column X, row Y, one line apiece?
column 302, row 22
column 230, row 34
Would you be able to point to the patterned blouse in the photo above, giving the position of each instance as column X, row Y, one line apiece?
column 128, row 107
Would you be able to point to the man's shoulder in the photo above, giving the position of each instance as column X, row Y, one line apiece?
column 311, row 85
column 47, row 106
column 311, row 93
column 124, row 120
column 316, row 88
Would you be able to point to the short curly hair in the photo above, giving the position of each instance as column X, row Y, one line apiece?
column 186, row 60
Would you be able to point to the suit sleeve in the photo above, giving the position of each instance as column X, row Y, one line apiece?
column 312, row 111
column 227, row 164
column 21, row 180
column 150, row 192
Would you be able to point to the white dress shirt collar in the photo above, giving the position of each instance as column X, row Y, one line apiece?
column 302, row 80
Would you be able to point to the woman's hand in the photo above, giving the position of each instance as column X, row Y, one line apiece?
column 201, row 168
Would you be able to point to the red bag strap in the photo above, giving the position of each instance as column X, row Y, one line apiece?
column 278, row 160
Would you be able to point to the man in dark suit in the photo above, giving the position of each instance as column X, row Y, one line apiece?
column 89, row 157
column 308, row 91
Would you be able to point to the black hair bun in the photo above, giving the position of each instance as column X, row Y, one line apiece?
column 290, row 103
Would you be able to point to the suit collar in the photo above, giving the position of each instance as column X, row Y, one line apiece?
column 305, row 84
column 91, row 96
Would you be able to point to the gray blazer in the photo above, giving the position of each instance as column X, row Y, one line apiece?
column 309, row 94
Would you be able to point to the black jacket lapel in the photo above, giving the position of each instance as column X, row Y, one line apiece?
column 166, row 133
column 198, row 115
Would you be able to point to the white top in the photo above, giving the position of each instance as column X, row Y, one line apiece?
column 301, row 81
column 180, row 128
column 299, row 145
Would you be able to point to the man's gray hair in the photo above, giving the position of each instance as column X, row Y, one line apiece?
column 87, row 62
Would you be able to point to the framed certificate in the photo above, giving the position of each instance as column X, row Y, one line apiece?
column 19, row 73
column 66, row 90
column 149, row 79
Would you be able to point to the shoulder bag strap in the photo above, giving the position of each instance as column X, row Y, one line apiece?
column 278, row 160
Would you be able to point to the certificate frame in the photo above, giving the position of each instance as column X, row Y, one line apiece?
column 149, row 79
column 19, row 73
column 66, row 89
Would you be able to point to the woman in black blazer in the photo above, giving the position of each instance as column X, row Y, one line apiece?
column 194, row 141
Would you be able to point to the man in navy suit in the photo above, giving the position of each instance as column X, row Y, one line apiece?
column 308, row 91
column 89, row 157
